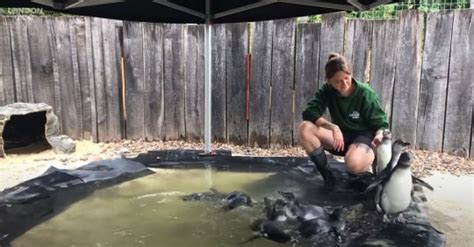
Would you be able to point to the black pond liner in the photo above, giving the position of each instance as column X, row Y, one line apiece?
column 34, row 201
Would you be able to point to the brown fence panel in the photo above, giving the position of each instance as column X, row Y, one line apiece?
column 434, row 81
column 383, row 61
column 357, row 47
column 219, row 84
column 174, row 81
column 7, row 84
column 41, row 54
column 332, row 40
column 21, row 59
column 112, row 55
column 82, row 54
column 133, row 48
column 69, row 87
column 194, row 82
column 153, row 80
column 260, row 79
column 281, row 112
column 407, row 77
column 237, row 45
column 306, row 69
column 461, row 82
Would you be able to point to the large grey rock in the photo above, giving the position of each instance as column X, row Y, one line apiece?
column 60, row 143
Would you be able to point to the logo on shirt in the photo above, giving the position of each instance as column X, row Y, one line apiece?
column 354, row 115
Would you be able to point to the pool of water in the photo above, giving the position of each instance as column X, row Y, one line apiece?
column 149, row 211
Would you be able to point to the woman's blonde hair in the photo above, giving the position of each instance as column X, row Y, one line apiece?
column 335, row 64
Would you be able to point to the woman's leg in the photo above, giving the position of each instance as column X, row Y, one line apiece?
column 314, row 139
column 359, row 158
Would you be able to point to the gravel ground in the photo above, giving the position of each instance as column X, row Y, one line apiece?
column 450, row 205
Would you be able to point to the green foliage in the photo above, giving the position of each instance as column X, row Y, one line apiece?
column 390, row 11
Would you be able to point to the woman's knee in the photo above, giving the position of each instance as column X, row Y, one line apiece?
column 305, row 130
column 358, row 160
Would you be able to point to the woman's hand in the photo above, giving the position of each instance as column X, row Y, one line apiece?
column 377, row 139
column 338, row 144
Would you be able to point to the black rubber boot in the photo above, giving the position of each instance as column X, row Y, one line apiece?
column 319, row 159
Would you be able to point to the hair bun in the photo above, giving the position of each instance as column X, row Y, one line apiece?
column 333, row 55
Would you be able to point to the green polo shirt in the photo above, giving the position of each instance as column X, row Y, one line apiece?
column 359, row 111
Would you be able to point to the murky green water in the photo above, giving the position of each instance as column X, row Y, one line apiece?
column 149, row 212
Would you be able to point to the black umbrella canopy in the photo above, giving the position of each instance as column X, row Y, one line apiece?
column 194, row 11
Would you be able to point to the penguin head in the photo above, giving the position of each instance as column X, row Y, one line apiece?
column 404, row 161
column 387, row 135
column 400, row 146
column 290, row 197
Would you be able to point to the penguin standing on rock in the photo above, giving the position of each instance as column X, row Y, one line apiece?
column 383, row 152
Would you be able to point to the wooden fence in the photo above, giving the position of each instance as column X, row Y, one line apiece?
column 108, row 80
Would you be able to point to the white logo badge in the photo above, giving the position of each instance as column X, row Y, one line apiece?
column 354, row 115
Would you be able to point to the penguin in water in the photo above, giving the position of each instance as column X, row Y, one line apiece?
column 236, row 199
column 294, row 210
column 326, row 229
column 270, row 230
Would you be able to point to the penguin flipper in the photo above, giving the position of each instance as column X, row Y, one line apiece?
column 253, row 238
column 378, row 180
column 422, row 183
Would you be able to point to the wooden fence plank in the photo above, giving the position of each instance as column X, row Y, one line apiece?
column 434, row 80
column 358, row 46
column 7, row 84
column 112, row 78
column 134, row 77
column 236, row 38
column 260, row 79
column 332, row 40
column 174, row 81
column 153, row 80
column 383, row 61
column 306, row 69
column 99, row 78
column 79, row 42
column 69, row 90
column 461, row 77
column 194, row 83
column 42, row 73
column 21, row 59
column 89, row 34
column 218, row 116
column 73, row 26
column 281, row 114
column 407, row 77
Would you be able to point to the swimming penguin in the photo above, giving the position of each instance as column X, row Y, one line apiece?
column 268, row 229
column 396, row 150
column 321, row 228
column 235, row 199
column 294, row 210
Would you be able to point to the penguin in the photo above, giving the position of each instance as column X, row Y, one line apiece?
column 270, row 230
column 295, row 210
column 236, row 199
column 383, row 151
column 396, row 150
column 319, row 228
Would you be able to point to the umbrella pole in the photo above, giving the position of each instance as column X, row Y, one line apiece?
column 207, row 86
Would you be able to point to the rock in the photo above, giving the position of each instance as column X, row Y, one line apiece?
column 62, row 144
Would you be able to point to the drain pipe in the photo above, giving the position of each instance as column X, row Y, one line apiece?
column 208, row 80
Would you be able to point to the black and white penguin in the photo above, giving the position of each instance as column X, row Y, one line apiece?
column 383, row 152
column 294, row 210
column 270, row 230
column 321, row 228
column 236, row 199
column 398, row 147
